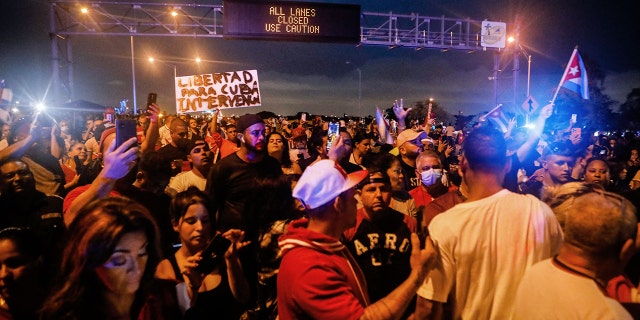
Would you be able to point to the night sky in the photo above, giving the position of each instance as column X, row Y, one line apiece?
column 314, row 77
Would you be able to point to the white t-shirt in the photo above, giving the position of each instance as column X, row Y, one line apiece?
column 548, row 292
column 183, row 180
column 485, row 248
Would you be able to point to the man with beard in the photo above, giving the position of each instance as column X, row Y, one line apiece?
column 25, row 207
column 381, row 239
column 231, row 178
column 200, row 158
column 409, row 143
column 176, row 149
column 230, row 181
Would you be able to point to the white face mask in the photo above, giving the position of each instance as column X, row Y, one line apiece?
column 430, row 177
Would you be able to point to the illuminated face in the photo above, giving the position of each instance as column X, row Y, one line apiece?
column 597, row 172
column 122, row 272
column 275, row 143
column 16, row 272
column 375, row 196
column 411, row 149
column 16, row 177
column 193, row 124
column 254, row 137
column 79, row 150
column 201, row 156
column 194, row 228
column 397, row 177
column 558, row 168
column 346, row 141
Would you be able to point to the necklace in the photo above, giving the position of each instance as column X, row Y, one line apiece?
column 600, row 284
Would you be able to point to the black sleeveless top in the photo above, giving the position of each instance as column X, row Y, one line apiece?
column 218, row 302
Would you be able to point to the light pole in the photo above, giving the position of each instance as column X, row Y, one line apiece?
column 359, row 88
column 133, row 78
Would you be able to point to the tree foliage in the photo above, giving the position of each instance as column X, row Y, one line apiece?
column 630, row 110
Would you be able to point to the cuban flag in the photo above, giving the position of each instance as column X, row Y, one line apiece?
column 575, row 76
column 497, row 117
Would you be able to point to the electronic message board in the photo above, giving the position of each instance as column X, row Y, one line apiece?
column 291, row 20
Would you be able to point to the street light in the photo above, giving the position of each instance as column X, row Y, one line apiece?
column 175, row 69
column 359, row 88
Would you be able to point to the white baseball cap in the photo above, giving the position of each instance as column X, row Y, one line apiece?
column 323, row 181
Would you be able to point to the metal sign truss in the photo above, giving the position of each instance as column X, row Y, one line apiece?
column 416, row 31
column 121, row 18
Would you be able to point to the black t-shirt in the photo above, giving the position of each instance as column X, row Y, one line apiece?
column 411, row 180
column 382, row 249
column 228, row 185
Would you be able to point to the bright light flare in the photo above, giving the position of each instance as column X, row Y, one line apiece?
column 511, row 39
column 151, row 59
column 40, row 106
column 84, row 10
column 530, row 126
column 198, row 60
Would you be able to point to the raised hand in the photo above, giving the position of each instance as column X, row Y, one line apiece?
column 399, row 111
column 119, row 161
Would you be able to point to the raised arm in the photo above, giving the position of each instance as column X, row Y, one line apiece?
column 117, row 163
column 153, row 133
column 536, row 132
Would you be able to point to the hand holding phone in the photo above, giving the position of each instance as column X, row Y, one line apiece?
column 213, row 253
column 334, row 131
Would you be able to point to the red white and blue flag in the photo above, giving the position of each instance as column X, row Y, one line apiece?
column 575, row 76
column 497, row 117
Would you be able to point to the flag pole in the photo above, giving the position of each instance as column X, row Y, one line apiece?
column 484, row 116
column 564, row 75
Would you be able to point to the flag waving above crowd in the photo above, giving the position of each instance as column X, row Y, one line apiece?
column 575, row 77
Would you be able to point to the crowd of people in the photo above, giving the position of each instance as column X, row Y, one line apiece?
column 255, row 217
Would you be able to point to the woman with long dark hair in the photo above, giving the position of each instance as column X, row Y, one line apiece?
column 108, row 264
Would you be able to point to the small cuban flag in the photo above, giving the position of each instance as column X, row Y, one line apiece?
column 575, row 76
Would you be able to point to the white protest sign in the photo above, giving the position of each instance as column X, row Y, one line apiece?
column 205, row 92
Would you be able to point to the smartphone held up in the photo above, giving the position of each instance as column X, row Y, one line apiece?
column 333, row 132
column 125, row 130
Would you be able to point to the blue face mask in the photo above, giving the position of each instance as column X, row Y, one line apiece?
column 430, row 177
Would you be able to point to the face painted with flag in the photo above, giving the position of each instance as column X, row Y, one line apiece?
column 575, row 76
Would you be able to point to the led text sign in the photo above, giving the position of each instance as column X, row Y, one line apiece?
column 291, row 20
